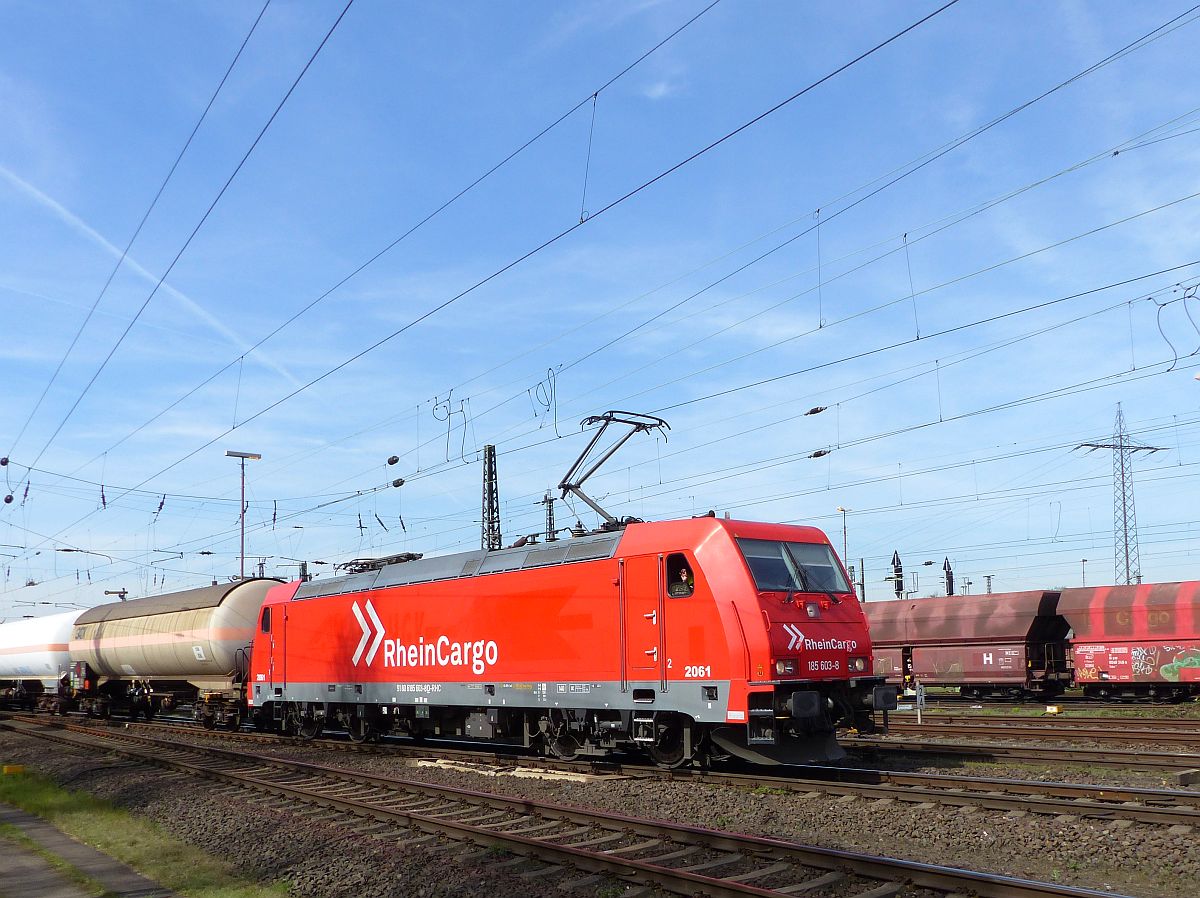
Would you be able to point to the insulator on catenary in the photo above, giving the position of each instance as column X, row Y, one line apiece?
column 393, row 459
column 399, row 481
column 820, row 452
column 816, row 410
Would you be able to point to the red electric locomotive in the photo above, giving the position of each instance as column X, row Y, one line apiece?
column 687, row 640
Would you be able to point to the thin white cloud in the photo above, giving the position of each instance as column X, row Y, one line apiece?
column 659, row 90
column 202, row 314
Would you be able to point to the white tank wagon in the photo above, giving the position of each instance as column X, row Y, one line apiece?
column 34, row 657
column 148, row 653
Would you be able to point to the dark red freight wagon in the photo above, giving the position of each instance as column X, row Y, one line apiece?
column 1135, row 642
column 1004, row 645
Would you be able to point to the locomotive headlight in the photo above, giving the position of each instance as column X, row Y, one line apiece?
column 786, row 666
column 812, row 609
column 858, row 665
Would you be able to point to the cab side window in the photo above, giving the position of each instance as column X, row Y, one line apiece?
column 266, row 620
column 681, row 580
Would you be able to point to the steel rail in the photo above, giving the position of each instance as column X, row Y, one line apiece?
column 1044, row 754
column 988, row 793
column 1024, row 731
column 897, row 874
column 1163, row 807
column 1066, row 719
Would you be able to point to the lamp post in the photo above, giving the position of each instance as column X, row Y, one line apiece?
column 845, row 550
column 254, row 456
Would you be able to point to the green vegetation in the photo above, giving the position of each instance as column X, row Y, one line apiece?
column 769, row 790
column 142, row 845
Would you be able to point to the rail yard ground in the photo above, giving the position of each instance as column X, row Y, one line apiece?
column 276, row 842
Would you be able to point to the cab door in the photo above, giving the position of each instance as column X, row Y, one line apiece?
column 643, row 624
column 270, row 624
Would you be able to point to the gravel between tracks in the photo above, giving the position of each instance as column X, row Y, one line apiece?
column 1140, row 860
column 268, row 842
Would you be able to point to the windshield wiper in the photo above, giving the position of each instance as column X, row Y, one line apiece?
column 806, row 579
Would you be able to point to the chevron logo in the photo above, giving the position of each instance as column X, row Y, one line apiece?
column 375, row 626
column 795, row 637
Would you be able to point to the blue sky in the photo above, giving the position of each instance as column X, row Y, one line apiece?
column 967, row 311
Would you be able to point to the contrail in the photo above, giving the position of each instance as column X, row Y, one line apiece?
column 186, row 301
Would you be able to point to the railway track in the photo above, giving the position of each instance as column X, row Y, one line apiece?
column 1066, row 720
column 1161, row 807
column 1040, row 754
column 567, row 846
column 1115, row 732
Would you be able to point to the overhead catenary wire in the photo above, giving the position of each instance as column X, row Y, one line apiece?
column 138, row 230
column 191, row 236
column 612, row 204
column 1141, row 41
column 412, row 229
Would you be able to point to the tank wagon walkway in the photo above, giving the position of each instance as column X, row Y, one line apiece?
column 28, row 875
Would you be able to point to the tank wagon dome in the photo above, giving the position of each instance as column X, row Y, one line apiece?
column 192, row 635
column 36, row 648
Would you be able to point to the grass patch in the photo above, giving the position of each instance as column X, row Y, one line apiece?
column 140, row 844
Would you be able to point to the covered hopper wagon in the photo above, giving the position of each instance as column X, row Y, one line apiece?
column 1007, row 645
column 1139, row 642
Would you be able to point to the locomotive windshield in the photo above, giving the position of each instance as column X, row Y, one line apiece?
column 794, row 567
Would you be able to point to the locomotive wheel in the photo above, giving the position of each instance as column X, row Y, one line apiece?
column 310, row 728
column 564, row 747
column 233, row 722
column 208, row 721
column 559, row 740
column 668, row 749
column 360, row 729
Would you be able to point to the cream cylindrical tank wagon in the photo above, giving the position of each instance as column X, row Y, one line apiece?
column 37, row 648
column 193, row 635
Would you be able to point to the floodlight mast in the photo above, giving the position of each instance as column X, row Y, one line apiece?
column 572, row 481
column 242, row 456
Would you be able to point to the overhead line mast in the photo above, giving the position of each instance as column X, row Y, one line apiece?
column 1127, row 562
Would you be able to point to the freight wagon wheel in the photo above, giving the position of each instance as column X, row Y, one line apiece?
column 668, row 748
